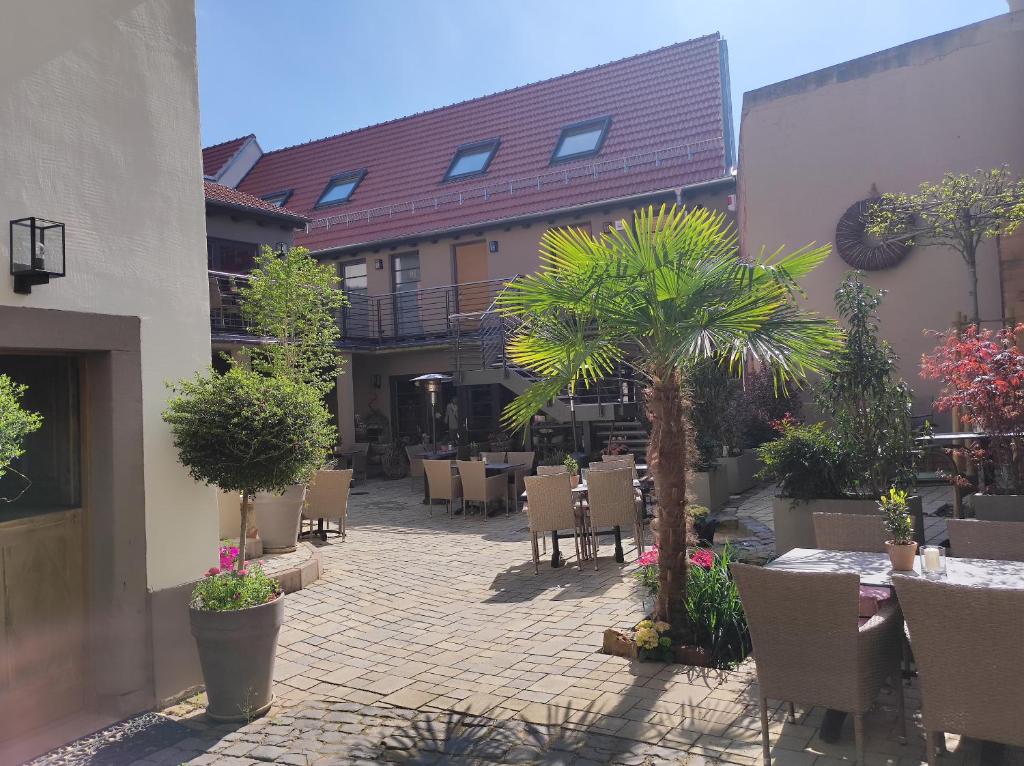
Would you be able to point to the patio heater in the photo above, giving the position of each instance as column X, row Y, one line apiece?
column 432, row 382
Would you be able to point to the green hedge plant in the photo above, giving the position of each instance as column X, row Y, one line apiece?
column 807, row 462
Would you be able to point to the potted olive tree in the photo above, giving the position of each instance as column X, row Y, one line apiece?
column 869, row 428
column 982, row 372
column 292, row 301
column 248, row 433
column 15, row 424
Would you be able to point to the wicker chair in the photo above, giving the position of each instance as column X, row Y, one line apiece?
column 549, row 508
column 613, row 503
column 494, row 457
column 627, row 458
column 327, row 499
column 415, row 454
column 551, row 470
column 808, row 647
column 967, row 645
column 849, row 532
column 973, row 539
column 360, row 457
column 478, row 487
column 526, row 459
column 442, row 484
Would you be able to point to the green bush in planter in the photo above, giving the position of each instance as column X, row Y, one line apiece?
column 15, row 423
column 247, row 433
column 807, row 462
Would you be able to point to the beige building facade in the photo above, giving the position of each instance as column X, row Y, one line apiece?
column 99, row 114
column 813, row 146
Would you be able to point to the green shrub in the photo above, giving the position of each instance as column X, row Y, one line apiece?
column 222, row 591
column 571, row 464
column 896, row 516
column 806, row 461
column 15, row 422
column 714, row 608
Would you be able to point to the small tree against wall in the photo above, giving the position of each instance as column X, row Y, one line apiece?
column 960, row 212
column 15, row 424
column 247, row 433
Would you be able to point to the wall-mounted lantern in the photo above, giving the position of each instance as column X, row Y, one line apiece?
column 37, row 252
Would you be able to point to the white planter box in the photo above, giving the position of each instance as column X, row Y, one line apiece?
column 998, row 507
column 740, row 471
column 794, row 525
column 710, row 488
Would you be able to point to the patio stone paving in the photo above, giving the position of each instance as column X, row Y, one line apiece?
column 431, row 640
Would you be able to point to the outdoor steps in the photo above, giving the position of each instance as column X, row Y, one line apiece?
column 632, row 433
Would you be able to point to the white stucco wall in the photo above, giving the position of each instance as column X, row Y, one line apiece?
column 99, row 129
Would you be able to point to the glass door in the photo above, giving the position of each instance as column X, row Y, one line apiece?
column 357, row 314
column 405, row 270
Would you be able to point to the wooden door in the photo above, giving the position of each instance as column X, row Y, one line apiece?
column 42, row 631
column 470, row 268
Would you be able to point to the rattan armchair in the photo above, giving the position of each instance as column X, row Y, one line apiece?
column 327, row 499
column 849, row 532
column 549, row 508
column 626, row 458
column 493, row 457
column 973, row 539
column 526, row 460
column 551, row 470
column 415, row 452
column 809, row 648
column 613, row 503
column 967, row 646
column 442, row 484
column 478, row 487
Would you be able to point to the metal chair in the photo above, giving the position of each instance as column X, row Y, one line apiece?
column 442, row 484
column 811, row 647
column 549, row 508
column 967, row 644
column 999, row 540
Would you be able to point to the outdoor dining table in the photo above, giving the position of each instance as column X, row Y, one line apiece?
column 493, row 469
column 874, row 568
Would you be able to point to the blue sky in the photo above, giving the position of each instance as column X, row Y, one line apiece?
column 304, row 69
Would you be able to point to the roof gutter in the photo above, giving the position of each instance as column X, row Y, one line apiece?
column 674, row 191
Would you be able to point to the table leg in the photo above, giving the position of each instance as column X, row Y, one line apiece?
column 426, row 490
column 620, row 557
column 556, row 555
column 320, row 530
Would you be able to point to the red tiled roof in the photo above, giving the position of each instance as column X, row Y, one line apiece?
column 216, row 157
column 667, row 117
column 218, row 194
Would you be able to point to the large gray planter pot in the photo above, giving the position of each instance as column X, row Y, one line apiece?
column 710, row 488
column 278, row 518
column 236, row 652
column 740, row 471
column 794, row 525
column 998, row 507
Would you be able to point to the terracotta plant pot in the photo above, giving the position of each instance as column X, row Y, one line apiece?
column 278, row 518
column 236, row 652
column 693, row 655
column 574, row 480
column 901, row 556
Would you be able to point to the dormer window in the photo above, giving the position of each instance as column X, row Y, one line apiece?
column 340, row 188
column 471, row 160
column 278, row 199
column 581, row 139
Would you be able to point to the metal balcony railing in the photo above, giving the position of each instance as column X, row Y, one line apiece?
column 405, row 317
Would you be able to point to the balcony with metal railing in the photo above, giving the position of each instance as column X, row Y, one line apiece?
column 401, row 319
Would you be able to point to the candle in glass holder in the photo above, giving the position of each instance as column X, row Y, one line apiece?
column 933, row 561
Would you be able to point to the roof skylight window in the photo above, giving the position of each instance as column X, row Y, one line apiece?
column 581, row 139
column 471, row 160
column 277, row 199
column 340, row 188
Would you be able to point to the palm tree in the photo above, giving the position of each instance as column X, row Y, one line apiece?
column 663, row 295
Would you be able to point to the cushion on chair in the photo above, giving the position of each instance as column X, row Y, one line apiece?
column 872, row 598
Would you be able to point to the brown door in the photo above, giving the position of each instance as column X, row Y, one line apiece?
column 471, row 267
column 41, row 620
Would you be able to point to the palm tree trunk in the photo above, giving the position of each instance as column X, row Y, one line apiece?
column 668, row 459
